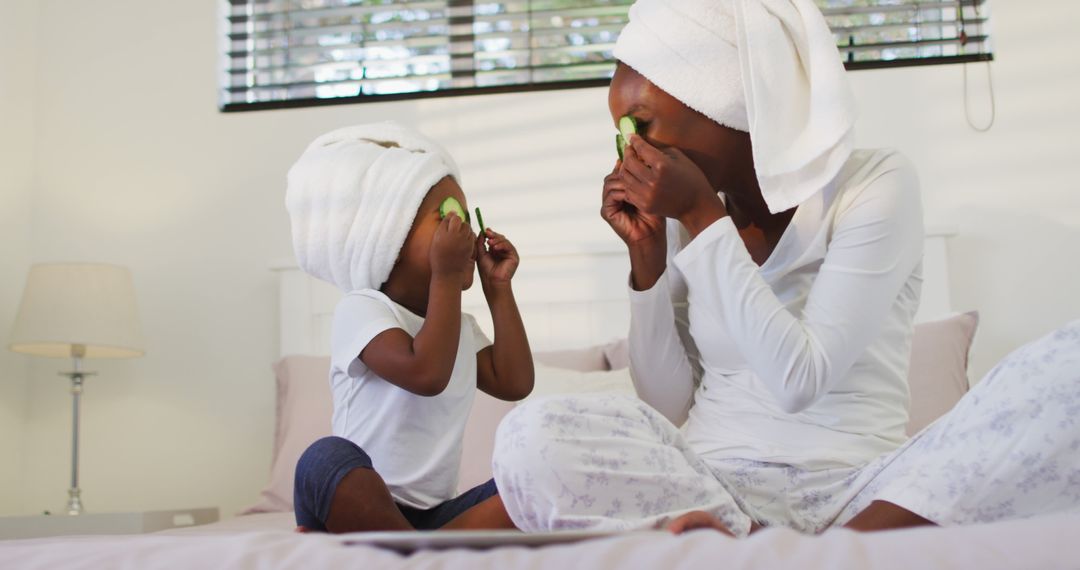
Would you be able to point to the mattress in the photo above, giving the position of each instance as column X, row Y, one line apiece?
column 267, row 541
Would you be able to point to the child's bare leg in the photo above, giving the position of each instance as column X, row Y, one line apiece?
column 363, row 503
column 882, row 515
column 488, row 514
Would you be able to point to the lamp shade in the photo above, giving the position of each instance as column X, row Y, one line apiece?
column 84, row 309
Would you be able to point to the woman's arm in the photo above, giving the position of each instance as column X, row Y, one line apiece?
column 662, row 358
column 875, row 247
column 663, row 375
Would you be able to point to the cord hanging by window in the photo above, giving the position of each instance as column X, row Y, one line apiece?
column 989, row 76
column 967, row 101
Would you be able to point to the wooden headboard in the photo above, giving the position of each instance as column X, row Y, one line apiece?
column 569, row 298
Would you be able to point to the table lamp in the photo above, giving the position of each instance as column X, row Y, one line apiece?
column 77, row 311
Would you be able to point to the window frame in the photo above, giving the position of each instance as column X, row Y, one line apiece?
column 307, row 102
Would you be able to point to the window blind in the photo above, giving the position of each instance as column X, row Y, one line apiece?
column 286, row 53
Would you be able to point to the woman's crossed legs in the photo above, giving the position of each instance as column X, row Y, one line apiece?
column 1009, row 449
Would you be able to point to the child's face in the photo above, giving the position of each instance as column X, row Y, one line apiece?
column 415, row 260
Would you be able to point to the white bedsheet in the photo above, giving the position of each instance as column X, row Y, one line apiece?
column 245, row 523
column 1048, row 542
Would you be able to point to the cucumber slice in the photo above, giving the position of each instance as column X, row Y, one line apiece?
column 480, row 220
column 627, row 126
column 452, row 206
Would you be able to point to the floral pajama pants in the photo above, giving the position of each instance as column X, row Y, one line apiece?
column 1009, row 449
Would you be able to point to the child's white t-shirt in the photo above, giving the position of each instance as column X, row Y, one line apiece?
column 414, row 441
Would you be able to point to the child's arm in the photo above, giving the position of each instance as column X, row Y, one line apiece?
column 504, row 369
column 423, row 365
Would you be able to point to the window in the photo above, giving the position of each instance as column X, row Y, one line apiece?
column 288, row 53
column 884, row 33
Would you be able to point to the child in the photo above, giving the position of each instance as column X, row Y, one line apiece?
column 365, row 205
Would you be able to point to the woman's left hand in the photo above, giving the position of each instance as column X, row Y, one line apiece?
column 497, row 262
column 664, row 182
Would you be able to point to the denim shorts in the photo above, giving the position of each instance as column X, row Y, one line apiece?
column 326, row 462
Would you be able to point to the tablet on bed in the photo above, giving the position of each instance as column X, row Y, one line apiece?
column 411, row 541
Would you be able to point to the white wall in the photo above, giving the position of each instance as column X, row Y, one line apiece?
column 16, row 180
column 136, row 166
column 1013, row 194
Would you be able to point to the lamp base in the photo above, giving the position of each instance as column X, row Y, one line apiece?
column 74, row 506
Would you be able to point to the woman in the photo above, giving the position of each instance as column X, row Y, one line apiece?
column 774, row 276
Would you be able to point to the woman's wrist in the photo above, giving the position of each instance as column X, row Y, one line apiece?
column 648, row 261
column 704, row 213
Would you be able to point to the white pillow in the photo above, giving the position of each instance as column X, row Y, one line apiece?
column 551, row 381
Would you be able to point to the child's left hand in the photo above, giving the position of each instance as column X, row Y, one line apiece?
column 499, row 261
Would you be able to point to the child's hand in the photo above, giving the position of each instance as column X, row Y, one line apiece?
column 452, row 248
column 499, row 261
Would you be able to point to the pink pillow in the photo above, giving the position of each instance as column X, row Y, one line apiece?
column 304, row 409
column 581, row 359
column 937, row 378
column 479, row 439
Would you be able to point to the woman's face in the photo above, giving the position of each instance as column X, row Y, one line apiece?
column 723, row 154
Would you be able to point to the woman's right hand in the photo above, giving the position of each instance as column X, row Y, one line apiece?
column 645, row 235
column 452, row 247
column 634, row 227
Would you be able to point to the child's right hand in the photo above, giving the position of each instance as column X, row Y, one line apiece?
column 452, row 247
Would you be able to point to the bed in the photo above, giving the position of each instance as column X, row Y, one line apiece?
column 577, row 333
column 1045, row 543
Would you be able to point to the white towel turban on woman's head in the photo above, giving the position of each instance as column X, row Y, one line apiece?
column 352, row 198
column 766, row 67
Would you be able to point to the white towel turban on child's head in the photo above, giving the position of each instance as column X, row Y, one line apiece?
column 352, row 198
column 766, row 67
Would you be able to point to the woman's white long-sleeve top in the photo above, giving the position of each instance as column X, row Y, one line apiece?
column 803, row 360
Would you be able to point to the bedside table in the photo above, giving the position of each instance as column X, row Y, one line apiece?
column 37, row 526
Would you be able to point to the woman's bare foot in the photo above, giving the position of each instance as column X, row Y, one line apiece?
column 302, row 530
column 695, row 520
column 882, row 515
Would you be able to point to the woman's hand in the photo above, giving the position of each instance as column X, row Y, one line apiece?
column 452, row 248
column 632, row 225
column 498, row 262
column 665, row 182
column 645, row 235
